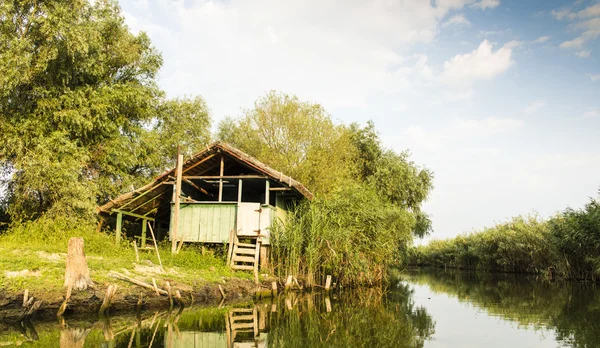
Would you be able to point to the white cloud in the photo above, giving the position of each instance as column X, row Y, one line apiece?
column 584, row 53
column 535, row 106
column 458, row 20
column 323, row 50
column 587, row 22
column 593, row 113
column 575, row 43
column 541, row 39
column 482, row 63
column 459, row 130
column 483, row 4
column 594, row 78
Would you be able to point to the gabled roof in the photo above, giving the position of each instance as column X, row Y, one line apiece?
column 201, row 163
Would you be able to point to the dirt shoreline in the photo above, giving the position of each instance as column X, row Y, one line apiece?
column 88, row 302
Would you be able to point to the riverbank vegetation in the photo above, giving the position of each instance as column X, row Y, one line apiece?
column 565, row 245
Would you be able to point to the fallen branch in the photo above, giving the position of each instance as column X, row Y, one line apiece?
column 110, row 294
column 137, row 282
column 155, row 246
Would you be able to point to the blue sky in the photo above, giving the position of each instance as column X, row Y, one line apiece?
column 499, row 98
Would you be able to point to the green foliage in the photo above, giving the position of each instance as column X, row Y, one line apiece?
column 353, row 235
column 298, row 138
column 81, row 116
column 565, row 245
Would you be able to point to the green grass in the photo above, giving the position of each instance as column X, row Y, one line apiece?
column 41, row 247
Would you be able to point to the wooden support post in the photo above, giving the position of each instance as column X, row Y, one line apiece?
column 119, row 227
column 328, row 283
column 274, row 288
column 239, row 190
column 137, row 255
column 144, row 228
column 175, row 227
column 267, row 192
column 221, row 180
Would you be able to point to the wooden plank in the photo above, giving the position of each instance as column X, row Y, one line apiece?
column 237, row 258
column 246, row 245
column 224, row 177
column 144, row 228
column 267, row 192
column 280, row 189
column 119, row 227
column 239, row 190
column 243, row 318
column 238, row 326
column 221, row 168
column 244, row 251
column 175, row 227
column 199, row 163
column 256, row 256
column 132, row 214
column 242, row 267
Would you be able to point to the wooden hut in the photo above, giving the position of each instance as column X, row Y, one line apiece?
column 225, row 196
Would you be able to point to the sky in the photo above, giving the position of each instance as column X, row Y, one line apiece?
column 499, row 98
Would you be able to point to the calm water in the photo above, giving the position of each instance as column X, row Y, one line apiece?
column 425, row 309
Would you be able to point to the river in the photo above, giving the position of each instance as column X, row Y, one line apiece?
column 420, row 309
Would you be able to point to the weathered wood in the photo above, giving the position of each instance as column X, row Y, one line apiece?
column 199, row 162
column 138, row 282
column 280, row 189
column 243, row 267
column 155, row 287
column 108, row 298
column 221, row 291
column 175, row 226
column 244, row 251
column 267, row 192
column 118, row 211
column 328, row 283
column 243, row 258
column 73, row 337
column 181, row 245
column 188, row 181
column 274, row 288
column 25, row 297
column 63, row 306
column 155, row 246
column 240, row 190
column 168, row 286
column 144, row 229
column 118, row 228
column 224, row 177
column 77, row 273
column 256, row 258
column 288, row 282
column 137, row 255
column 221, row 169
column 230, row 246
column 139, row 303
column 264, row 257
column 328, row 304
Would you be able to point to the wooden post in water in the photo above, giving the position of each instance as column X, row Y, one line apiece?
column 175, row 227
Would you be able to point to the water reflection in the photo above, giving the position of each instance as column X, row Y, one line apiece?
column 426, row 309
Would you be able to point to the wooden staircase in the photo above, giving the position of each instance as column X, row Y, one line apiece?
column 244, row 256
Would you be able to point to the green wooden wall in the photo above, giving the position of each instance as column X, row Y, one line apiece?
column 207, row 223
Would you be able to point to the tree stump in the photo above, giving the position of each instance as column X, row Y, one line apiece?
column 77, row 273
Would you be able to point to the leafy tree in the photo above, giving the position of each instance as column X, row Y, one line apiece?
column 298, row 138
column 82, row 118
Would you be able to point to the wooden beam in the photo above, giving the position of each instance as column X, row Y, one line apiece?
column 221, row 168
column 197, row 187
column 132, row 215
column 280, row 189
column 199, row 163
column 239, row 190
column 224, row 177
column 267, row 192
column 119, row 227
column 143, row 204
column 143, row 243
column 175, row 226
column 141, row 195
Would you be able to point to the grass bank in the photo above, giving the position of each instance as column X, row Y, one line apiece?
column 566, row 245
column 32, row 256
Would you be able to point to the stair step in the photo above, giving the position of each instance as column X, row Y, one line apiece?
column 245, row 251
column 246, row 245
column 237, row 258
column 243, row 267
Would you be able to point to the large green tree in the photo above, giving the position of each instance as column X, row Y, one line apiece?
column 81, row 116
column 296, row 137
